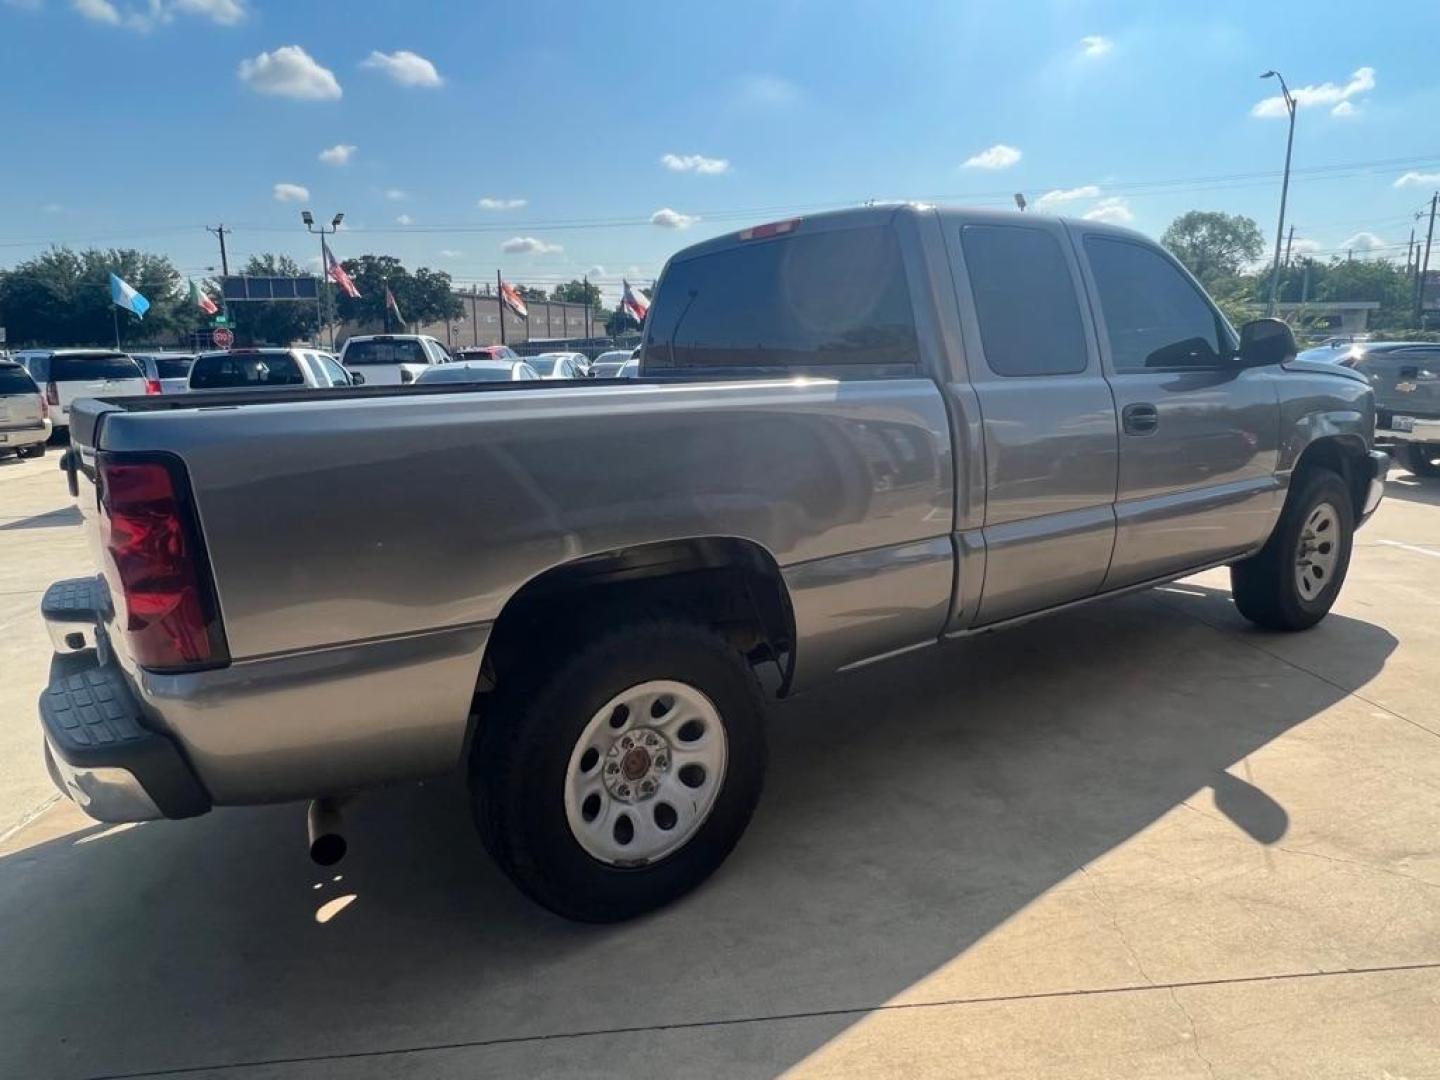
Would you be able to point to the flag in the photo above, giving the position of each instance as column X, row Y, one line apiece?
column 513, row 300
column 336, row 272
column 393, row 306
column 123, row 296
column 201, row 300
column 634, row 302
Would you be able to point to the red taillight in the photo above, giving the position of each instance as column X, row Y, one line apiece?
column 152, row 386
column 52, row 394
column 775, row 228
column 170, row 615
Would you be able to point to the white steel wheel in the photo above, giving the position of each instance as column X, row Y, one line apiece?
column 645, row 773
column 1317, row 553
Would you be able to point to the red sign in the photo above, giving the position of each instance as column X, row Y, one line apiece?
column 223, row 337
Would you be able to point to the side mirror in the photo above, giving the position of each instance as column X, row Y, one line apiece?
column 356, row 379
column 1266, row 341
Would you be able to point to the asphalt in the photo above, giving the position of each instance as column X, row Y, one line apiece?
column 1138, row 839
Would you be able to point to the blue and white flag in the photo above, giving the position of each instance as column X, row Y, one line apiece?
column 126, row 297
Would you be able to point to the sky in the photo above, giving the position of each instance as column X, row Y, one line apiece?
column 554, row 140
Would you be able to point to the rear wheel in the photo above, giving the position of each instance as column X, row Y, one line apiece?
column 619, row 781
column 1422, row 459
column 1292, row 582
column 38, row 450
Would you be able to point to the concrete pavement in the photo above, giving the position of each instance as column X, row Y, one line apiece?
column 1138, row 839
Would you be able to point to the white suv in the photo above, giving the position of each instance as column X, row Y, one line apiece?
column 66, row 374
column 388, row 359
column 24, row 427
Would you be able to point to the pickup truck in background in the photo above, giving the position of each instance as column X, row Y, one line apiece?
column 392, row 359
column 269, row 369
column 854, row 436
column 1405, row 376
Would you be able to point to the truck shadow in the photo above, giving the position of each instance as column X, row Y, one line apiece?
column 910, row 811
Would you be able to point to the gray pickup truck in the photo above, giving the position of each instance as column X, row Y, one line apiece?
column 855, row 436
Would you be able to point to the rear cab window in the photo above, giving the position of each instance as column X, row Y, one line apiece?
column 86, row 367
column 239, row 370
column 380, row 351
column 14, row 379
column 834, row 300
column 167, row 367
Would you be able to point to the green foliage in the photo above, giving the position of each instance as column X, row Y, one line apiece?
column 425, row 296
column 532, row 292
column 620, row 322
column 62, row 297
column 578, row 292
column 1212, row 244
column 278, row 322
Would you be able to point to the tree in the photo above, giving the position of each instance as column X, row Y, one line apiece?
column 1212, row 244
column 620, row 322
column 425, row 296
column 532, row 292
column 278, row 322
column 62, row 297
column 578, row 292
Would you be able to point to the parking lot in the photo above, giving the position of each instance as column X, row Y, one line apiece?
column 1136, row 839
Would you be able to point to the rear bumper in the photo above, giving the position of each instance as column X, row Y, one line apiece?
column 1379, row 465
column 1424, row 431
column 25, row 436
column 98, row 749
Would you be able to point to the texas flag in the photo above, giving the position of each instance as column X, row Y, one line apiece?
column 393, row 305
column 336, row 272
column 634, row 302
column 201, row 300
column 123, row 295
column 513, row 300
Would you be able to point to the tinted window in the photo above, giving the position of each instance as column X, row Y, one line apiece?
column 167, row 367
column 544, row 365
column 262, row 369
column 15, row 380
column 1025, row 300
column 1154, row 317
column 462, row 373
column 827, row 299
column 96, row 366
column 361, row 353
column 337, row 374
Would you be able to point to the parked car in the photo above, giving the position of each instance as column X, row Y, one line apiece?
column 263, row 369
column 630, row 369
column 558, row 365
column 475, row 371
column 487, row 352
column 24, row 425
column 68, row 374
column 389, row 359
column 165, row 373
column 607, row 365
column 581, row 598
column 1406, row 378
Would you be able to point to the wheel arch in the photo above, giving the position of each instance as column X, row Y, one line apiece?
column 728, row 583
column 1343, row 454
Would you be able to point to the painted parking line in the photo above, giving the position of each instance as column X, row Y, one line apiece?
column 1410, row 547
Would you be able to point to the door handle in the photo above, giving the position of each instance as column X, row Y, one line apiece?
column 1142, row 418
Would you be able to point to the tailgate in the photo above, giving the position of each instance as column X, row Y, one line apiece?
column 1406, row 383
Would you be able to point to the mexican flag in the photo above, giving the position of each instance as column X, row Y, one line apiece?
column 200, row 300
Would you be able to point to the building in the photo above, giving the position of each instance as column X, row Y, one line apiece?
column 1341, row 316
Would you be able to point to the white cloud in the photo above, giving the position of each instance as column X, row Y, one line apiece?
column 291, row 193
column 1114, row 209
column 767, row 91
column 595, row 271
column 696, row 163
column 1096, row 45
column 290, row 71
column 1326, row 93
column 404, row 67
column 1064, row 195
column 1305, row 247
column 396, row 194
column 450, row 253
column 404, row 219
column 1363, row 241
column 998, row 156
column 224, row 12
column 672, row 219
column 1418, row 179
column 101, row 11
column 1345, row 108
column 339, row 154
column 491, row 203
column 529, row 245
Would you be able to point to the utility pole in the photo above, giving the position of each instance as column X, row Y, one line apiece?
column 500, row 304
column 585, row 281
column 1410, row 251
column 1289, row 243
column 1290, row 107
column 1425, row 269
column 220, row 231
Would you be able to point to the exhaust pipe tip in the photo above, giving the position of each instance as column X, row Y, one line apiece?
column 325, row 827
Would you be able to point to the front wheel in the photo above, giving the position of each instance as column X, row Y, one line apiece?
column 1292, row 582
column 1423, row 459
column 620, row 780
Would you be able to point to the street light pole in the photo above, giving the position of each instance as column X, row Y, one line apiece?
column 321, row 231
column 1284, row 188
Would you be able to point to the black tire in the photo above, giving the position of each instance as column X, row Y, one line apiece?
column 1422, row 459
column 522, row 751
column 1264, row 586
column 38, row 450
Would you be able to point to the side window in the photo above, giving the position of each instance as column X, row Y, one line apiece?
column 1025, row 301
column 337, row 374
column 318, row 374
column 1154, row 317
column 828, row 299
